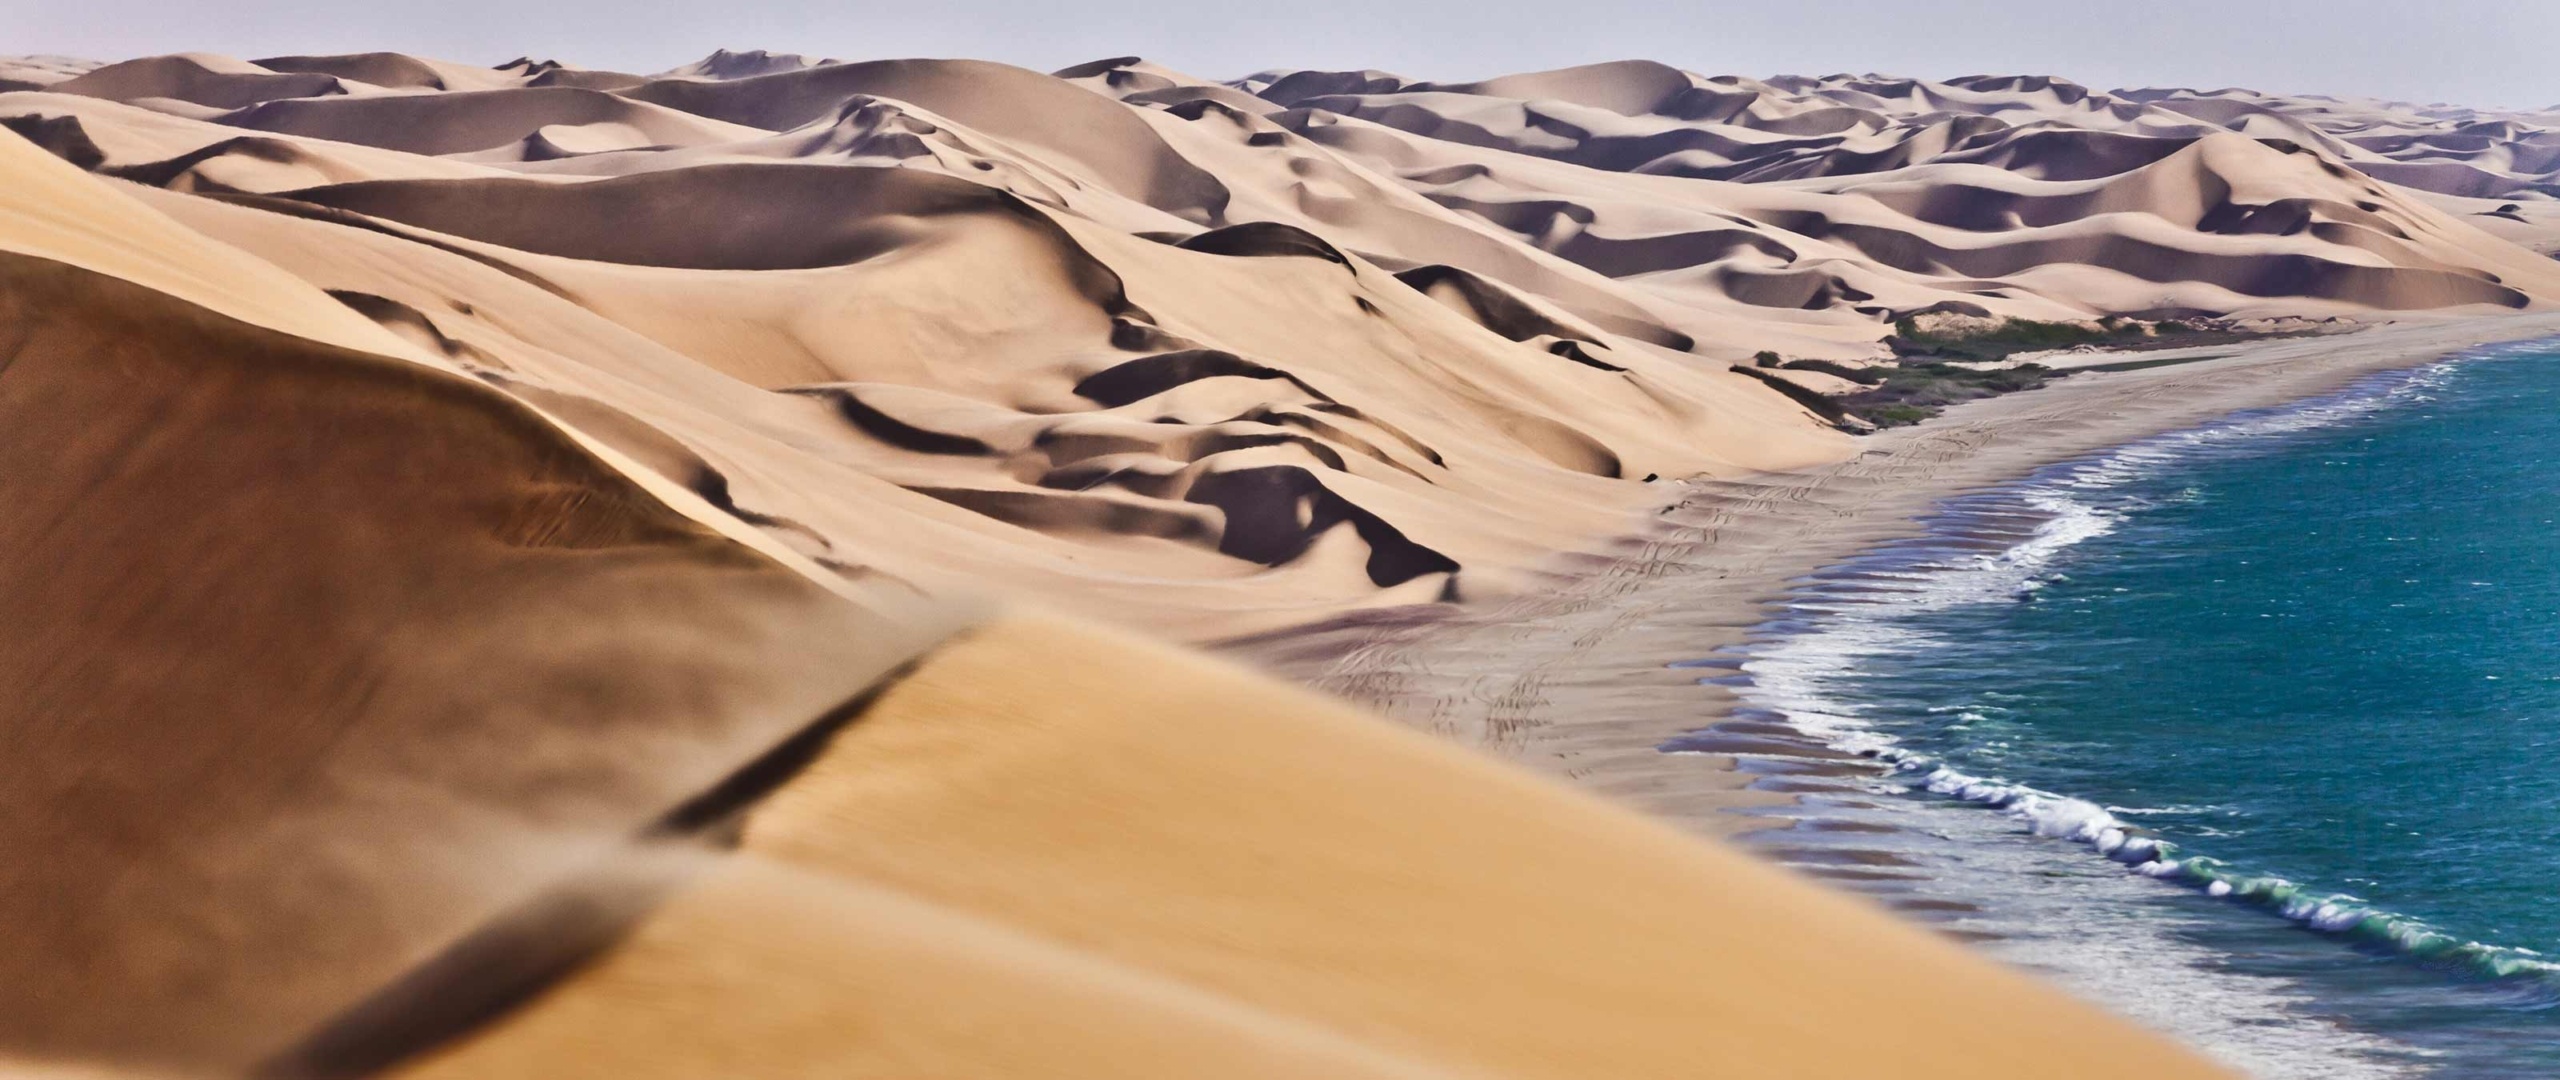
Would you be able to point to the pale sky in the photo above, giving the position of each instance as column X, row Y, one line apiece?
column 2476, row 52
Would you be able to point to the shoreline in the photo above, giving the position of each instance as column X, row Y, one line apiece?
column 1576, row 681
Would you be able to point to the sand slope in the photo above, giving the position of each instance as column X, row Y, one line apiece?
column 324, row 658
column 1185, row 903
column 455, row 509
column 1303, row 342
column 2012, row 196
column 382, row 711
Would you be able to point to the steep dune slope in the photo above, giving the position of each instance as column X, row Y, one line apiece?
column 415, row 668
column 1031, row 111
column 1184, row 904
column 213, row 82
column 1068, row 399
column 1638, row 116
column 460, row 122
column 2147, row 192
column 485, row 706
column 1301, row 342
column 516, row 519
column 362, row 652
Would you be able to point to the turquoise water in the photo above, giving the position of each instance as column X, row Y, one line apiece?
column 2251, row 731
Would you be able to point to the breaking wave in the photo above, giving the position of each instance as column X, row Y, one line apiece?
column 2001, row 545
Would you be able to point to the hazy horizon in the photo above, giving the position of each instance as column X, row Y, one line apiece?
column 2481, row 53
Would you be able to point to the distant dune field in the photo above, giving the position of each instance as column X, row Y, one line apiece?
column 1300, row 343
column 501, row 558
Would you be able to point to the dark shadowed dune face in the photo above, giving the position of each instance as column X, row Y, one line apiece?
column 457, row 122
column 180, row 78
column 1263, row 238
column 61, row 136
column 324, row 660
column 1145, row 377
column 723, row 217
column 1120, row 313
column 1489, row 304
column 1005, row 102
column 439, row 500
column 378, row 68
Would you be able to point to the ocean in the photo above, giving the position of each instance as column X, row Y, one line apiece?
column 2249, row 732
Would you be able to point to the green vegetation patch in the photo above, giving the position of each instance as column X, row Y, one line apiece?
column 1915, row 392
column 2009, row 336
column 1939, row 365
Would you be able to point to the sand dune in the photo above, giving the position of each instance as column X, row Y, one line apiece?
column 210, row 81
column 1400, row 418
column 300, row 733
column 1186, row 900
column 484, row 492
column 1638, row 116
column 2022, row 197
column 460, row 122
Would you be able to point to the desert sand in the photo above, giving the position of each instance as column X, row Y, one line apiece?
column 1139, row 342
column 539, row 571
column 1577, row 680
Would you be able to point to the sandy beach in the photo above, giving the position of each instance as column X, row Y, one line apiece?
column 531, row 570
column 1575, row 681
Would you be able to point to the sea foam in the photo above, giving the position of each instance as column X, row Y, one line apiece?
column 1859, row 611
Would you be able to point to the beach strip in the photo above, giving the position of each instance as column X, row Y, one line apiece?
column 1577, row 680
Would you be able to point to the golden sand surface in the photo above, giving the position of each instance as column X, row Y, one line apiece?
column 501, row 559
column 1060, row 850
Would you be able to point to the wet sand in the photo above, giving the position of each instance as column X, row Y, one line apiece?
column 1578, row 680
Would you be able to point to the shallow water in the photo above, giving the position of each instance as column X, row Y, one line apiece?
column 2247, row 731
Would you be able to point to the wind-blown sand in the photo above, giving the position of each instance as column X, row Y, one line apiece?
column 512, row 567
